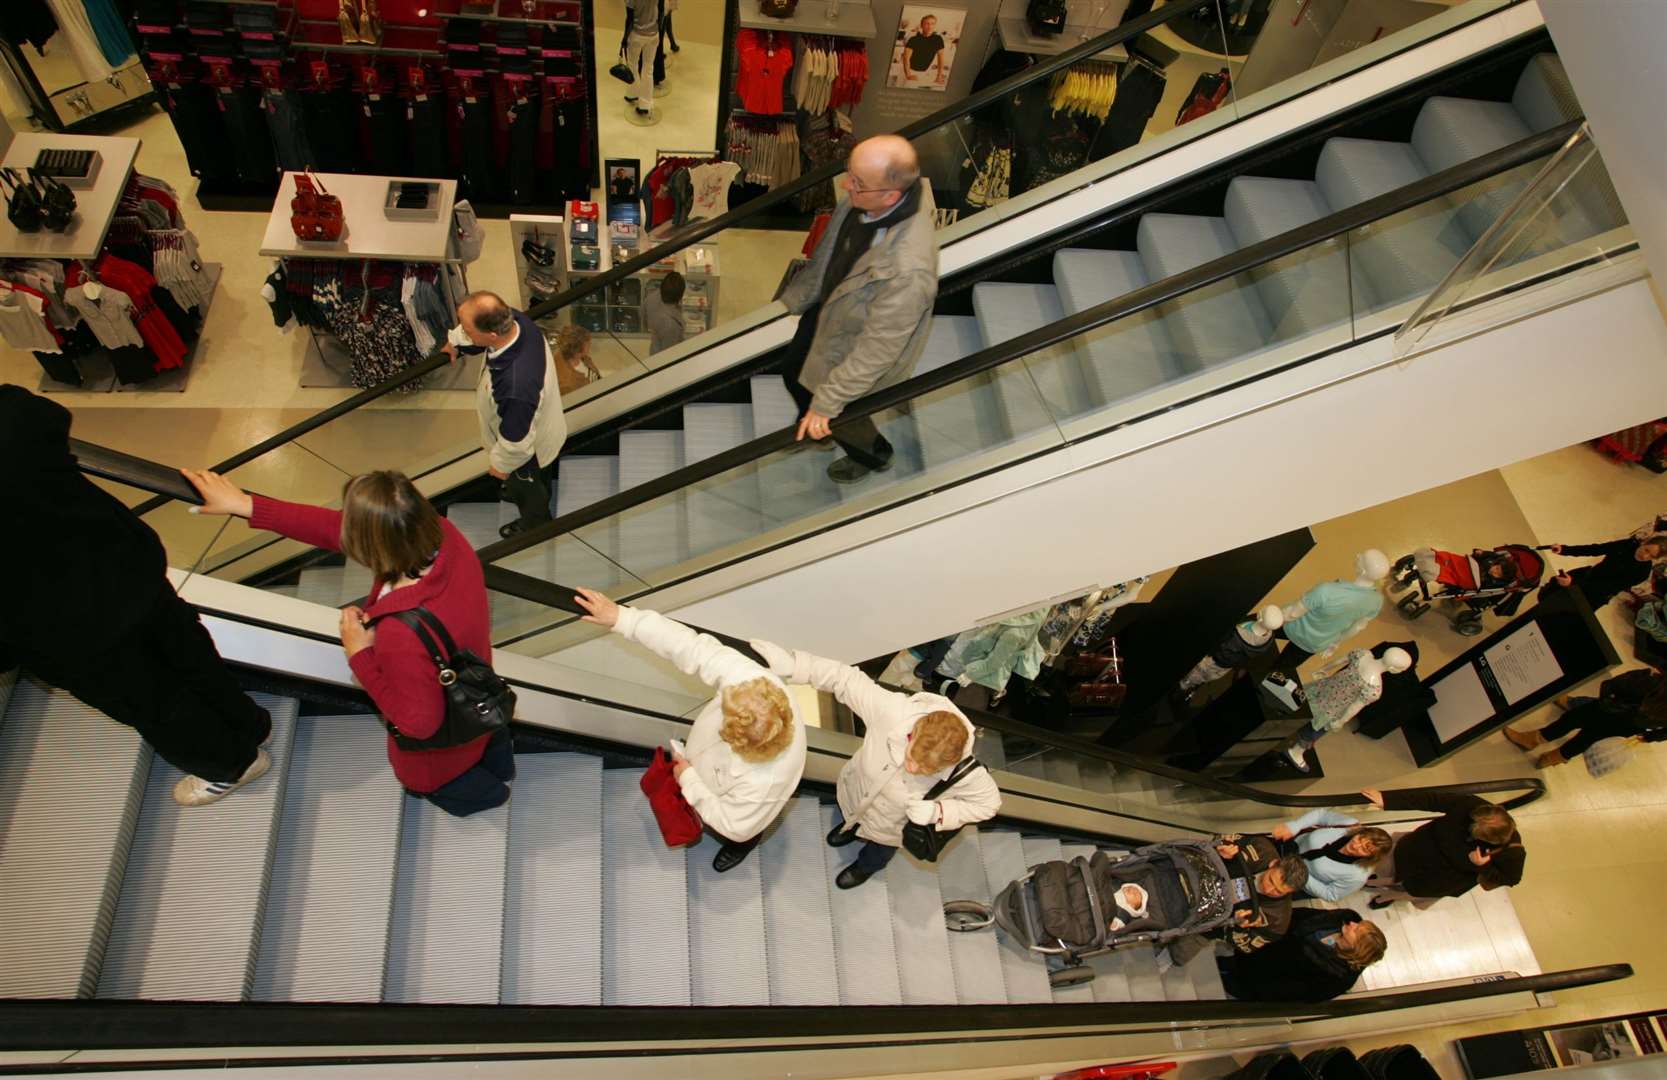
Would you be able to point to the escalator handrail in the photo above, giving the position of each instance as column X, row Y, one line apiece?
column 1159, row 292
column 152, row 476
column 732, row 219
column 113, row 1025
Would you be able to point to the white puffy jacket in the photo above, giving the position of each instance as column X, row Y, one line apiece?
column 875, row 790
column 735, row 797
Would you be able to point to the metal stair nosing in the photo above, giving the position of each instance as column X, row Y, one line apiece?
column 865, row 952
column 187, row 925
column 325, row 932
column 798, row 914
column 645, row 898
column 62, row 862
column 552, row 951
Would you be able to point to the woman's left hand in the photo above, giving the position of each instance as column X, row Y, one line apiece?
column 356, row 636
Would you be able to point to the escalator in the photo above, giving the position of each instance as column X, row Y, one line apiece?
column 309, row 907
column 689, row 410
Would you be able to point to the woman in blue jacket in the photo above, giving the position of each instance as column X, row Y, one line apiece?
column 1340, row 852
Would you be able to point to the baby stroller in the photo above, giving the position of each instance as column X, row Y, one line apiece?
column 1058, row 910
column 1484, row 580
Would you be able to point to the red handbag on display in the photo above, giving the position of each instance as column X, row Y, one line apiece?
column 679, row 824
column 314, row 213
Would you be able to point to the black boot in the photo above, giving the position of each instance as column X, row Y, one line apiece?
column 851, row 877
column 841, row 835
column 731, row 855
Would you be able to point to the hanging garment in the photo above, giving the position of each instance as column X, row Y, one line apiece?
column 201, row 131
column 250, row 135
column 1138, row 93
column 109, row 30
column 77, row 29
column 991, row 655
column 288, row 129
column 23, row 321
column 109, row 314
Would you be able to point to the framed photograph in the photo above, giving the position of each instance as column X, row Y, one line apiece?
column 928, row 36
column 622, row 176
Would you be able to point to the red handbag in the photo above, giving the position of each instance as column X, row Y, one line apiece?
column 679, row 824
column 314, row 213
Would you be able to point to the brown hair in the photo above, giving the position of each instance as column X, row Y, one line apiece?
column 758, row 720
column 1378, row 843
column 388, row 525
column 1368, row 947
column 939, row 741
column 570, row 340
column 1492, row 825
column 1293, row 870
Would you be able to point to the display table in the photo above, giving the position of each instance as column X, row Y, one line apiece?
column 94, row 206
column 855, row 19
column 370, row 235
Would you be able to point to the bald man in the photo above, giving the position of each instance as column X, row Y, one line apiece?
column 864, row 302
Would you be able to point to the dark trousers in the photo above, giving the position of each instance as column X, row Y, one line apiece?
column 872, row 857
column 529, row 489
column 1589, row 721
column 1291, row 655
column 860, row 438
column 484, row 786
column 164, row 679
column 740, row 847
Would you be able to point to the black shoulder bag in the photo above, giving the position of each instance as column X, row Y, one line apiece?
column 924, row 842
column 478, row 702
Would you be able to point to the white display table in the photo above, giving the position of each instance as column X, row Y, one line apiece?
column 94, row 206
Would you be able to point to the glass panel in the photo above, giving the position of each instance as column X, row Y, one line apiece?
column 1566, row 216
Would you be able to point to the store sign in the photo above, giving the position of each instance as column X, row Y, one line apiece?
column 1566, row 1046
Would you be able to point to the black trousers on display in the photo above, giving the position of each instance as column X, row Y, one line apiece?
column 479, row 178
column 427, row 137
column 860, row 438
column 165, row 680
column 202, row 132
column 523, row 151
column 250, row 134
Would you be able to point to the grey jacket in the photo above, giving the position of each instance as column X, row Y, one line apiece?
column 875, row 323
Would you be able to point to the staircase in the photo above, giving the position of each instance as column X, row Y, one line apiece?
column 323, row 882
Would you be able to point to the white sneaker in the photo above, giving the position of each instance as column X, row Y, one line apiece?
column 1165, row 961
column 1298, row 756
column 195, row 791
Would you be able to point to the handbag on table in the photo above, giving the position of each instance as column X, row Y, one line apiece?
column 679, row 825
column 925, row 842
column 314, row 213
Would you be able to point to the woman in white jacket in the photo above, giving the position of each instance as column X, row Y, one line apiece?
column 913, row 741
column 746, row 750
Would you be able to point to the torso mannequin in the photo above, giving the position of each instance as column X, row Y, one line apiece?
column 1248, row 640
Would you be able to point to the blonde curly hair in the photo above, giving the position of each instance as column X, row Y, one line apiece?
column 758, row 719
column 939, row 741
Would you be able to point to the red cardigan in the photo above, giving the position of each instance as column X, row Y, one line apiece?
column 396, row 670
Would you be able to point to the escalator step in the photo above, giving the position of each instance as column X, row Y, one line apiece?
column 188, row 924
column 1061, row 770
column 723, row 509
column 865, row 954
column 645, row 896
column 1007, row 310
column 61, row 873
column 446, row 937
column 974, row 956
column 963, row 418
column 1451, row 131
column 728, row 961
column 1023, row 972
column 1128, row 356
column 553, row 893
column 925, row 971
column 325, row 937
column 798, row 918
column 1038, row 850
column 1304, row 293
column 1213, row 325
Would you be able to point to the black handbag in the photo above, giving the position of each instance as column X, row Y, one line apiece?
column 1046, row 18
column 924, row 842
column 23, row 203
column 478, row 701
column 57, row 202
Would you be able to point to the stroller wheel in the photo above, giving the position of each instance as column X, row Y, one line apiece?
column 1411, row 606
column 1075, row 975
column 967, row 915
column 1468, row 624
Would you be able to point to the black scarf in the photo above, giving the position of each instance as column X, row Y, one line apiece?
column 1334, row 851
column 857, row 236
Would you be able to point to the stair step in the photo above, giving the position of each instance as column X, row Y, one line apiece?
column 320, row 585
column 925, row 971
column 1024, row 972
column 728, row 961
column 1452, row 131
column 584, row 479
column 1007, row 310
column 479, row 521
column 963, row 418
column 325, row 937
column 798, row 917
column 1061, row 770
column 552, row 951
column 61, row 859
column 652, row 536
column 446, row 937
column 1040, row 849
column 791, row 485
column 1303, row 293
column 724, row 509
column 581, row 480
column 645, row 898
column 1214, row 325
column 974, row 956
column 187, row 927
column 1131, row 355
column 1111, row 982
column 772, row 406
column 865, row 955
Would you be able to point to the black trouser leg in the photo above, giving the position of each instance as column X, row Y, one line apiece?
column 734, row 849
column 165, row 680
column 1291, row 655
column 484, row 786
column 529, row 489
column 1589, row 724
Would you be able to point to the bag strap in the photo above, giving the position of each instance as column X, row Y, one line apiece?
column 420, row 620
column 966, row 766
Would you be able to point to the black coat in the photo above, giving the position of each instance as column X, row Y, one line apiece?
column 1296, row 967
column 1434, row 859
column 1617, row 569
column 84, row 569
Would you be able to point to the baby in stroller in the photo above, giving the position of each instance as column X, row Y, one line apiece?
column 1494, row 579
column 1069, row 911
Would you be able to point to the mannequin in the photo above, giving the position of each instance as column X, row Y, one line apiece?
column 1341, row 691
column 1333, row 611
column 1248, row 640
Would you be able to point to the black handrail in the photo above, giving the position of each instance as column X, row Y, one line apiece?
column 160, row 1025
column 1158, row 292
column 967, row 105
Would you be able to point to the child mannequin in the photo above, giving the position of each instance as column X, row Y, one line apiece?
column 1237, row 649
column 1341, row 691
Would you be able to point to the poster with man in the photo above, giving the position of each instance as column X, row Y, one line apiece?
column 924, row 55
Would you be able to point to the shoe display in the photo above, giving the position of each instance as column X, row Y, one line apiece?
column 195, row 791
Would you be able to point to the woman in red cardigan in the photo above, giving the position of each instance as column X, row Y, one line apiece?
column 420, row 560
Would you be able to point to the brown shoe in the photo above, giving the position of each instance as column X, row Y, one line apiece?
column 1546, row 761
column 1524, row 740
column 1561, row 701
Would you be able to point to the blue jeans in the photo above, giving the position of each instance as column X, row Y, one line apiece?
column 484, row 786
column 872, row 858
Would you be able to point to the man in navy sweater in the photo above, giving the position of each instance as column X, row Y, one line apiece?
column 518, row 399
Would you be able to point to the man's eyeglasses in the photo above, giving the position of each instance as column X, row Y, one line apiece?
column 857, row 187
